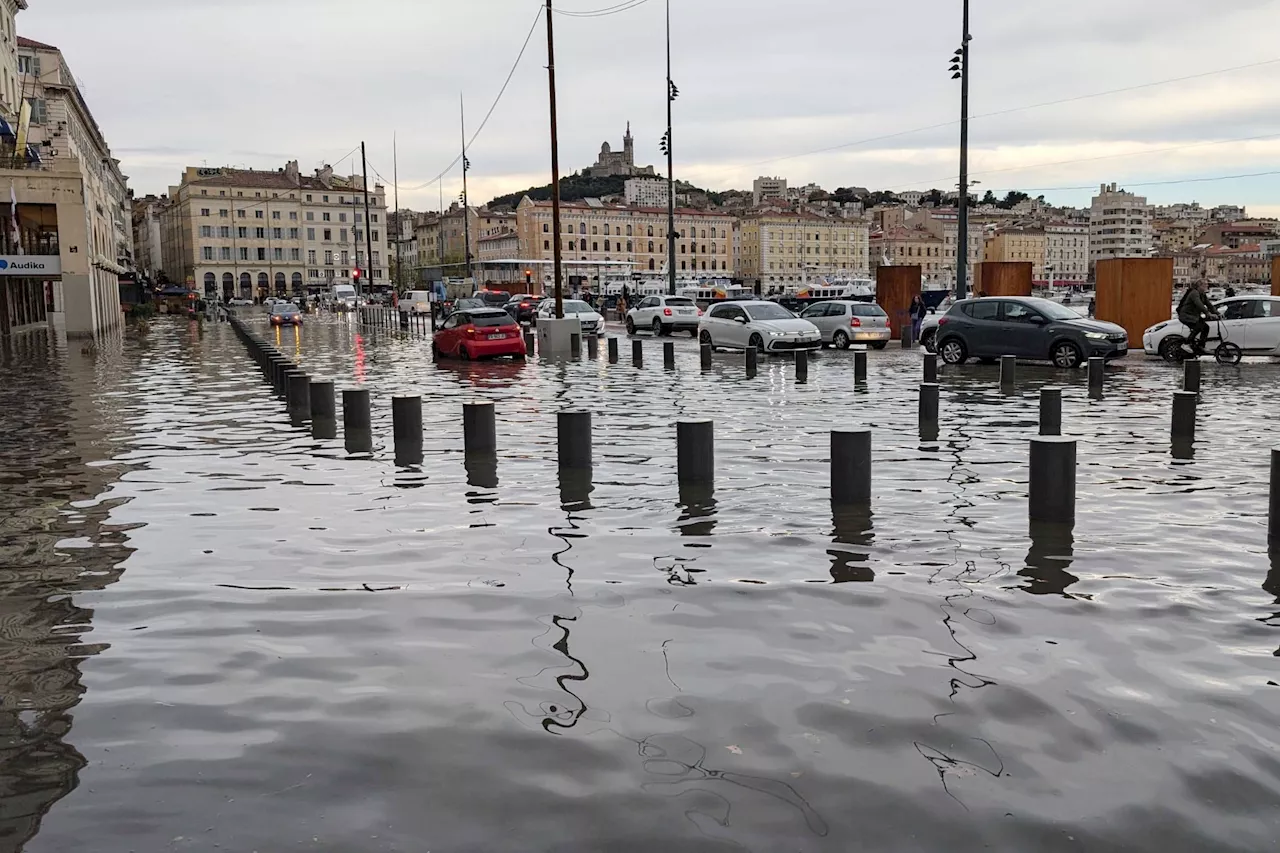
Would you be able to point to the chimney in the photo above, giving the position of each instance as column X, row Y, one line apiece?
column 291, row 172
column 325, row 175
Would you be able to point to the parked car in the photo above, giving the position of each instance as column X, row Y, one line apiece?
column 492, row 298
column 929, row 331
column 843, row 322
column 478, row 333
column 592, row 322
column 240, row 302
column 523, row 307
column 1025, row 327
column 467, row 304
column 285, row 314
column 767, row 326
column 1250, row 322
column 664, row 315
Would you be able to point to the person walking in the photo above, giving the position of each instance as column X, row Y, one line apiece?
column 918, row 312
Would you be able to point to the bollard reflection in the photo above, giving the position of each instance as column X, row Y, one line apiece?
column 697, row 506
column 1183, row 448
column 851, row 526
column 575, row 489
column 482, row 470
column 1050, row 555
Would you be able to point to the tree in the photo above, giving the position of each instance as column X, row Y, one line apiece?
column 989, row 198
column 933, row 197
column 819, row 195
column 1012, row 199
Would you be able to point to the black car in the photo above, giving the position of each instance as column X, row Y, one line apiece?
column 523, row 307
column 467, row 304
column 1026, row 327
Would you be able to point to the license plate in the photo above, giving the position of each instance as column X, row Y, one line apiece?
column 683, row 311
column 496, row 337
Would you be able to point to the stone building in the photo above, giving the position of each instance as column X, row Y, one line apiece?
column 622, row 163
column 774, row 249
column 1119, row 225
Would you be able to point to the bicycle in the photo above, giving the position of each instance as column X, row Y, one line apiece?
column 1225, row 352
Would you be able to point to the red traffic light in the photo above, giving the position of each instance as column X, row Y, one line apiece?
column 355, row 274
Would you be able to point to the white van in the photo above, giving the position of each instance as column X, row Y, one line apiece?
column 416, row 302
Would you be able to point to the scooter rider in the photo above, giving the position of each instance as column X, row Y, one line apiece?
column 1193, row 311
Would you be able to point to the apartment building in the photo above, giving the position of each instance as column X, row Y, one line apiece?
column 1017, row 243
column 774, row 249
column 763, row 189
column 1119, row 225
column 1066, row 251
column 72, row 238
column 944, row 223
column 255, row 233
column 10, row 84
column 147, row 240
column 902, row 246
column 628, row 234
column 647, row 192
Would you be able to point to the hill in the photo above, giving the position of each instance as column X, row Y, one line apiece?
column 576, row 187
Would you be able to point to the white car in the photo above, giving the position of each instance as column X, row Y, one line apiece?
column 767, row 326
column 664, row 315
column 1250, row 322
column 240, row 302
column 591, row 321
column 844, row 322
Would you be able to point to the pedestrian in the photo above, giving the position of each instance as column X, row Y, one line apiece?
column 918, row 312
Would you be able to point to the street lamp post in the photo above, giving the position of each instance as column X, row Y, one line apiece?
column 555, row 168
column 960, row 70
column 668, row 149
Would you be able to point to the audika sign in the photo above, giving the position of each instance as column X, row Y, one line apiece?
column 35, row 266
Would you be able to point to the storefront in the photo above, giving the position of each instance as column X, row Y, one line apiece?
column 26, row 287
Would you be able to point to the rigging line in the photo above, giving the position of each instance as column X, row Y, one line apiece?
column 1093, row 186
column 1008, row 111
column 487, row 115
column 605, row 12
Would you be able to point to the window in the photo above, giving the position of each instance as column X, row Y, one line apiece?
column 244, row 253
column 375, row 233
column 222, row 192
column 546, row 228
column 262, row 254
column 206, row 230
column 628, row 245
column 982, row 309
column 277, row 233
column 373, row 218
column 242, row 232
column 650, row 234
column 38, row 111
column 571, row 246
column 295, row 255
column 204, row 211
column 342, row 234
column 224, row 231
column 277, row 254
column 258, row 214
column 293, row 233
column 328, row 235
column 357, row 217
column 346, row 258
column 225, row 254
column 293, row 214
column 325, row 216
column 582, row 228
column 311, row 233
column 651, row 263
column 359, row 234
column 206, row 253
column 546, row 244
column 650, row 243
column 595, row 247
column 628, row 230
column 328, row 258
column 223, row 213
column 275, row 214
column 240, row 214
column 342, row 217
column 260, row 233
column 313, row 273
column 311, row 216
column 606, row 245
column 1242, row 310
column 311, row 256
column 326, row 198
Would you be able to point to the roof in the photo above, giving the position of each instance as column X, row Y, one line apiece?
column 898, row 232
column 622, row 208
column 35, row 45
column 272, row 180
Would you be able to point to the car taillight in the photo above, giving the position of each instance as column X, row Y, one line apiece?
column 942, row 321
column 699, row 312
column 666, row 312
column 471, row 330
column 524, row 304
column 855, row 322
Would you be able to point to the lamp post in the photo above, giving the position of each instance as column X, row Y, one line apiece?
column 555, row 169
column 960, row 71
column 667, row 148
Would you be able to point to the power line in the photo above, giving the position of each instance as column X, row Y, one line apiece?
column 626, row 6
column 1153, row 183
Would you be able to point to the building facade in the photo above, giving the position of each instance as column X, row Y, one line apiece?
column 1119, row 225
column 249, row 233
column 1066, row 252
column 903, row 246
column 10, row 82
column 944, row 223
column 633, row 237
column 647, row 192
column 775, row 249
column 147, row 242
column 763, row 189
column 73, row 229
column 1017, row 243
column 622, row 163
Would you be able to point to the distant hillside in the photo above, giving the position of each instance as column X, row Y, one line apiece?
column 576, row 187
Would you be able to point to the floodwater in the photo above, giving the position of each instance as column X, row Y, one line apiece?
column 221, row 634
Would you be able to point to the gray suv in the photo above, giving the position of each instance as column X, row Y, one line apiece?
column 1025, row 327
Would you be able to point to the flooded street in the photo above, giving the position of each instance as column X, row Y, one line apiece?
column 221, row 634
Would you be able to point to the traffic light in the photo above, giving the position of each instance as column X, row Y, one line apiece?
column 528, row 277
column 355, row 275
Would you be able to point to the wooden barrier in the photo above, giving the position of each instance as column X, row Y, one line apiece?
column 1275, row 276
column 895, row 288
column 1135, row 293
column 1002, row 278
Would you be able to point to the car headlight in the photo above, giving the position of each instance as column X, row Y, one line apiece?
column 1157, row 327
column 777, row 334
column 1096, row 336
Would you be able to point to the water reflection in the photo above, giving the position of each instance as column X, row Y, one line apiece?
column 482, row 473
column 575, row 489
column 697, row 505
column 851, row 526
column 1048, row 559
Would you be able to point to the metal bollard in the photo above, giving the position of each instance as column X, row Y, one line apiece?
column 752, row 361
column 930, row 367
column 357, row 425
column 906, row 335
column 669, row 355
column 637, row 353
column 593, row 347
column 1008, row 372
column 324, row 412
column 528, row 341
column 928, row 407
column 479, row 429
column 695, row 452
column 1273, row 509
column 573, row 440
column 1184, row 415
column 613, row 350
column 406, row 429
column 860, row 364
column 299, row 395
column 575, row 345
column 1191, row 375
column 1097, row 371
column 1051, row 411
column 802, row 366
column 1052, row 485
column 851, row 467
column 705, row 356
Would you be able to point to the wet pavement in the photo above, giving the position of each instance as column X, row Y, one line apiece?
column 219, row 633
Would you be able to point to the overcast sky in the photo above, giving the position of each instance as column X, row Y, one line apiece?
column 762, row 85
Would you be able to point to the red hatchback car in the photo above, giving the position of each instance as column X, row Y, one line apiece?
column 479, row 333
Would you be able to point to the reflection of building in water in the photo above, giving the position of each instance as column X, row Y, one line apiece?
column 53, row 433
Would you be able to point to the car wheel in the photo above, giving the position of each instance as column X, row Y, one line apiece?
column 631, row 326
column 657, row 327
column 840, row 340
column 879, row 344
column 1066, row 354
column 1170, row 348
column 704, row 338
column 953, row 351
column 927, row 340
column 463, row 353
column 757, row 342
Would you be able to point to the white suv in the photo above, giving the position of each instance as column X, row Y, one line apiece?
column 664, row 315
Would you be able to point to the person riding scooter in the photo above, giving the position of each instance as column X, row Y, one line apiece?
column 1193, row 311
